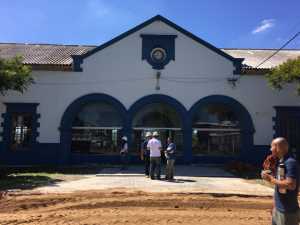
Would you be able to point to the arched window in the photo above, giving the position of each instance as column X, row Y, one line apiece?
column 216, row 131
column 96, row 129
column 159, row 117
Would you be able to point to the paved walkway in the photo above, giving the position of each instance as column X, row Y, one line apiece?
column 189, row 179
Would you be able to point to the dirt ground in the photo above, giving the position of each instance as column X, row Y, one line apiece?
column 124, row 207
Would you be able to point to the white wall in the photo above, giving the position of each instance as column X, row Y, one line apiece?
column 118, row 71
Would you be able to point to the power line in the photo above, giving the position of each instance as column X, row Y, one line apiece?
column 193, row 81
column 201, row 78
column 265, row 60
column 93, row 82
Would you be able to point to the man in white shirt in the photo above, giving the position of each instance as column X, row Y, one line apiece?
column 154, row 145
column 124, row 153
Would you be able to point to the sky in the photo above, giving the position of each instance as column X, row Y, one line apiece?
column 225, row 24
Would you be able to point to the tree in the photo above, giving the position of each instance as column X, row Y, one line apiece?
column 287, row 72
column 14, row 75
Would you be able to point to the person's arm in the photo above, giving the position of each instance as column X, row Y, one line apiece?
column 142, row 152
column 160, row 147
column 288, row 183
column 291, row 175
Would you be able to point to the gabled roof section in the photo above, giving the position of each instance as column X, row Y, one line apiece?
column 44, row 56
column 59, row 57
column 78, row 59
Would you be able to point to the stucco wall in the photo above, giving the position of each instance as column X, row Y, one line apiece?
column 118, row 71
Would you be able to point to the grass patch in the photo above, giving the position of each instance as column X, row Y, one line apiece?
column 26, row 181
column 36, row 176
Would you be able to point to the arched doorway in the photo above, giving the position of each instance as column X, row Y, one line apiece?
column 221, row 127
column 158, row 113
column 91, row 127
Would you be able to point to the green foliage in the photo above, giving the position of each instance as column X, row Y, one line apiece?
column 288, row 72
column 14, row 75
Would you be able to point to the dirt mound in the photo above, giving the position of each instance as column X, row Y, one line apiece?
column 119, row 207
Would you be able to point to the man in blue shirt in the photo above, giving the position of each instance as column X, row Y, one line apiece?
column 170, row 156
column 286, row 208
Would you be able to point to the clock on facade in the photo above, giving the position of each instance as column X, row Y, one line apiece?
column 158, row 55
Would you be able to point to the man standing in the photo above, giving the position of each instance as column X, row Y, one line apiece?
column 154, row 145
column 124, row 153
column 170, row 156
column 286, row 208
column 145, row 153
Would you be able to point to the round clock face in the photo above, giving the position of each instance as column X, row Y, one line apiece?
column 158, row 54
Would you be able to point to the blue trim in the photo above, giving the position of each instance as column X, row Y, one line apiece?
column 94, row 158
column 19, row 108
column 213, row 159
column 247, row 127
column 158, row 98
column 287, row 108
column 39, row 154
column 70, row 114
column 77, row 60
column 238, row 66
column 149, row 42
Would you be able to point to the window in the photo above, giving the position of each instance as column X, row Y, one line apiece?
column 216, row 131
column 21, row 131
column 96, row 129
column 20, row 128
column 157, row 117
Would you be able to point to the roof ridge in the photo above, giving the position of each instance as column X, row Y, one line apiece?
column 79, row 45
column 274, row 49
column 52, row 44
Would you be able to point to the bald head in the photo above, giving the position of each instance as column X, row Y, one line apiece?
column 280, row 146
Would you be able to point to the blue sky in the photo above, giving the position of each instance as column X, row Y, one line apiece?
column 225, row 24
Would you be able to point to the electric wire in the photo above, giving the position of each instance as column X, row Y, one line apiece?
column 285, row 44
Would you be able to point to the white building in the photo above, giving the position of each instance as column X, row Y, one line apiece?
column 213, row 102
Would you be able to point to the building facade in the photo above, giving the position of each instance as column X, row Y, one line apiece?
column 157, row 76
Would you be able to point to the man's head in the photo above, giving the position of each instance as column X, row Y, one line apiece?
column 169, row 140
column 155, row 134
column 279, row 147
column 148, row 135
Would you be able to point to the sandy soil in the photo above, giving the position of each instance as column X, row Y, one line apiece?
column 125, row 207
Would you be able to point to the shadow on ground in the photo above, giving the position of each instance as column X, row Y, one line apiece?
column 25, row 182
column 180, row 170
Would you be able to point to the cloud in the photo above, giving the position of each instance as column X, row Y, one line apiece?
column 99, row 8
column 264, row 25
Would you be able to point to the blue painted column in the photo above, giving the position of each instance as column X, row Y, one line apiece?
column 127, row 131
column 65, row 146
column 247, row 153
column 5, row 136
column 187, row 140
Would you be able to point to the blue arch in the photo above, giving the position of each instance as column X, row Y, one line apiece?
column 244, row 117
column 71, row 112
column 159, row 98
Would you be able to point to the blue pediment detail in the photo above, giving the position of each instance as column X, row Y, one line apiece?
column 163, row 45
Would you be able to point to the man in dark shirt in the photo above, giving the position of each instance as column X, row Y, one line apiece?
column 286, row 208
column 145, row 153
column 170, row 156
